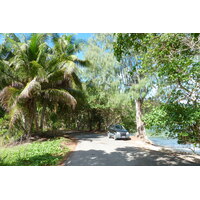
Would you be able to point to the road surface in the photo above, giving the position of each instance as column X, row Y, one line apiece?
column 99, row 150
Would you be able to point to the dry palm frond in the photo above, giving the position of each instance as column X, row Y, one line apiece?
column 68, row 67
column 7, row 97
column 15, row 114
column 17, row 85
column 56, row 95
column 31, row 89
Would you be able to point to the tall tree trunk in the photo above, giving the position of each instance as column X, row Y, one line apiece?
column 32, row 108
column 99, row 125
column 30, row 117
column 36, row 121
column 35, row 116
column 141, row 132
column 36, row 124
column 89, row 120
column 42, row 118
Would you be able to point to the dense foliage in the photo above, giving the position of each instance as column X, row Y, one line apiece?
column 105, row 100
column 174, row 61
column 37, row 79
column 138, row 80
column 176, row 120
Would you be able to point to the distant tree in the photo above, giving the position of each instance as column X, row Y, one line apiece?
column 109, row 102
column 138, row 81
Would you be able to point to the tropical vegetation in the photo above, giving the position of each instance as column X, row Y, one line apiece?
column 142, row 81
column 37, row 79
column 44, row 153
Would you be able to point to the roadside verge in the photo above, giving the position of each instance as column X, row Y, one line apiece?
column 72, row 146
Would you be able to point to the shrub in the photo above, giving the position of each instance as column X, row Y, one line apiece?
column 178, row 120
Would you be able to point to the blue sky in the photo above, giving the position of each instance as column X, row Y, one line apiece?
column 83, row 36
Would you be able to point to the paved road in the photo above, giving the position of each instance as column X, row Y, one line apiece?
column 99, row 150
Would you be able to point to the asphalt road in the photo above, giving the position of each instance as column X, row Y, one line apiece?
column 99, row 150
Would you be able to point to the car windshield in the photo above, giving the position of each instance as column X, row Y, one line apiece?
column 119, row 127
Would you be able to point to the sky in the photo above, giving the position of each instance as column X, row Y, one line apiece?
column 85, row 37
column 82, row 36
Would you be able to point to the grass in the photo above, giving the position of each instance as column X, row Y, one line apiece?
column 44, row 153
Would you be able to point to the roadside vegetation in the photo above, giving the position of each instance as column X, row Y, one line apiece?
column 142, row 81
column 44, row 153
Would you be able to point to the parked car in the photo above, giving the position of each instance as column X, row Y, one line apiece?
column 117, row 131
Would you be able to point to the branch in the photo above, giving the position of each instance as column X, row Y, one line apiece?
column 182, row 87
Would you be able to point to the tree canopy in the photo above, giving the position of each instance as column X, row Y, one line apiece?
column 140, row 80
column 174, row 60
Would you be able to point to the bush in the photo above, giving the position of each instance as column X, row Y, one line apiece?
column 178, row 120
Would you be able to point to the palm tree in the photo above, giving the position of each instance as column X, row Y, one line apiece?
column 38, row 76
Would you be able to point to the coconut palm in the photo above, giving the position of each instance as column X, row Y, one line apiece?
column 38, row 76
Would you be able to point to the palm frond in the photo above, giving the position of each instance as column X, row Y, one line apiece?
column 37, row 70
column 19, row 50
column 14, row 37
column 23, row 47
column 82, row 63
column 77, row 81
column 8, row 96
column 55, row 37
column 65, row 45
column 62, row 96
column 15, row 114
column 7, row 71
column 35, row 41
column 43, row 53
column 56, row 76
column 78, row 94
column 31, row 89
column 69, row 67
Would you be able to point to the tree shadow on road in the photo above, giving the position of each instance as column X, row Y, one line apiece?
column 128, row 156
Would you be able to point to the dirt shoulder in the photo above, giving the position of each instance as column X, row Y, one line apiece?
column 71, row 145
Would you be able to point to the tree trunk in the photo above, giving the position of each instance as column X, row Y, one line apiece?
column 31, row 117
column 89, row 120
column 141, row 132
column 35, row 116
column 36, row 124
column 99, row 125
column 42, row 117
